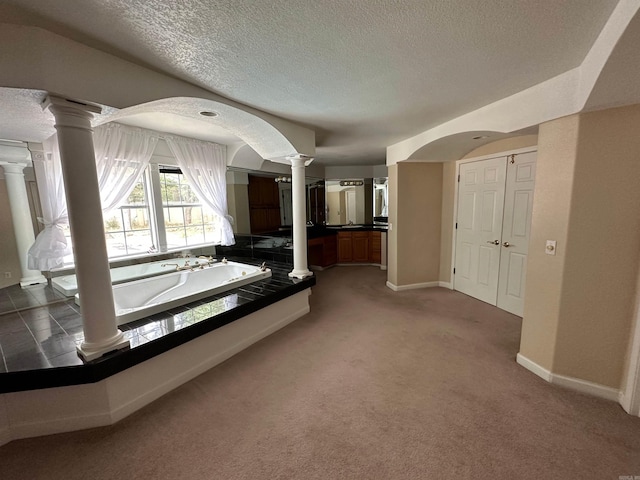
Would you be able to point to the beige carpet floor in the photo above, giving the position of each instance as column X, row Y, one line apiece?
column 372, row 384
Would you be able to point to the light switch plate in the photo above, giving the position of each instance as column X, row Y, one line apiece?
column 550, row 247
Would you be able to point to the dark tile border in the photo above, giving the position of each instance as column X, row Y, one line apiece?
column 119, row 361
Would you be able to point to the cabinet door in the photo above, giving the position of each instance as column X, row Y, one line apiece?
column 330, row 253
column 361, row 247
column 345, row 247
column 375, row 244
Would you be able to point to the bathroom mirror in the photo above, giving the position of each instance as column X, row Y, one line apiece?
column 260, row 202
column 348, row 201
column 380, row 200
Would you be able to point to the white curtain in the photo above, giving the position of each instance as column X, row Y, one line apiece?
column 204, row 165
column 122, row 154
column 50, row 246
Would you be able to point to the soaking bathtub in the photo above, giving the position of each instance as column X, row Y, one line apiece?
column 141, row 298
column 68, row 284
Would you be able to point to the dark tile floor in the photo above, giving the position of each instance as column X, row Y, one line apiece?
column 16, row 298
column 45, row 336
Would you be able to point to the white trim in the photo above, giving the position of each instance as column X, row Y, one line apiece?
column 583, row 386
column 448, row 285
column 412, row 286
column 630, row 396
column 76, row 407
column 533, row 367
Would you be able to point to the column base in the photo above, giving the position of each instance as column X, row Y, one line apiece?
column 89, row 351
column 35, row 280
column 300, row 274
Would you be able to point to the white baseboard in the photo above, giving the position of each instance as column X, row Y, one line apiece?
column 63, row 409
column 533, row 367
column 448, row 285
column 583, row 386
column 412, row 286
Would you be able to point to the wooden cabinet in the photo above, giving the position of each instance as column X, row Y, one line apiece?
column 330, row 251
column 345, row 248
column 359, row 247
column 322, row 251
column 375, row 254
column 264, row 204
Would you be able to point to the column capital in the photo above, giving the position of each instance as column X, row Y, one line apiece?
column 70, row 113
column 299, row 160
column 15, row 154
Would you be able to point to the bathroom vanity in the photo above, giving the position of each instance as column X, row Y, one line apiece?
column 347, row 244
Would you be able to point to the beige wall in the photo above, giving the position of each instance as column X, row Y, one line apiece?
column 392, row 234
column 504, row 145
column 578, row 307
column 551, row 210
column 8, row 250
column 415, row 200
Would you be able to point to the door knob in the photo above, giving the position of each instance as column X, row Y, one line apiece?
column 494, row 242
column 506, row 244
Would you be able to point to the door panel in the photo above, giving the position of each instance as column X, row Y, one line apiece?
column 516, row 230
column 480, row 209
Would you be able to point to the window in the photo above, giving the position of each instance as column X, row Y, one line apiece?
column 133, row 229
column 187, row 221
column 128, row 229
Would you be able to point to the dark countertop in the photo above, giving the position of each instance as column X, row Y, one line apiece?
column 318, row 231
column 358, row 228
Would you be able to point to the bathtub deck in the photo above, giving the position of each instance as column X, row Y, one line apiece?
column 38, row 345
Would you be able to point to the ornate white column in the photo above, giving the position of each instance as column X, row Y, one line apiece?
column 75, row 137
column 298, row 200
column 13, row 160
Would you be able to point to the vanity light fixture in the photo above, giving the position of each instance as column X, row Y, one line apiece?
column 283, row 179
column 208, row 114
column 351, row 183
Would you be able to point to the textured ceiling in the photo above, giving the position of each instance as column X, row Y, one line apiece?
column 362, row 73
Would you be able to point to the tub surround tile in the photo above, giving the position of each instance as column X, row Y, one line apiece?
column 52, row 360
column 25, row 361
column 57, row 345
column 12, row 322
column 6, row 305
column 66, row 360
column 19, row 342
column 25, row 302
column 3, row 363
column 46, row 323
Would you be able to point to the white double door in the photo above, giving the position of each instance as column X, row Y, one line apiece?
column 495, row 201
